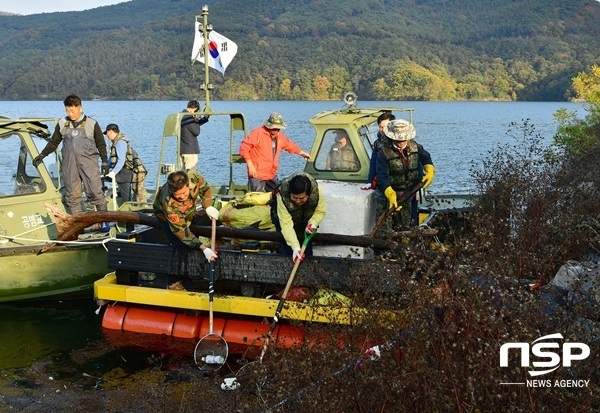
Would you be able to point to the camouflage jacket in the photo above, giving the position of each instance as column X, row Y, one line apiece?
column 342, row 158
column 179, row 215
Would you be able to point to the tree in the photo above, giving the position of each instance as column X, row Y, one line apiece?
column 411, row 81
column 576, row 135
column 321, row 87
column 285, row 89
column 587, row 85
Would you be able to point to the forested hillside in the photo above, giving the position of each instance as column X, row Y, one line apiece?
column 306, row 50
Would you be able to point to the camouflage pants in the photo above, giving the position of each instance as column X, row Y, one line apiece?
column 398, row 221
column 137, row 186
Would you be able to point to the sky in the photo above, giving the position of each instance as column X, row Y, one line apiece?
column 49, row 6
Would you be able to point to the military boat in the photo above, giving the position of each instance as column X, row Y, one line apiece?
column 157, row 294
column 26, row 226
column 140, row 296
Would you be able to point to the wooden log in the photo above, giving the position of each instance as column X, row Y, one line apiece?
column 274, row 236
column 69, row 226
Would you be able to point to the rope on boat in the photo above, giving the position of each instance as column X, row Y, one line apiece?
column 31, row 230
column 76, row 243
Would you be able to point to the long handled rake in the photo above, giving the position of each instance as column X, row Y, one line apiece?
column 256, row 368
column 212, row 350
column 307, row 238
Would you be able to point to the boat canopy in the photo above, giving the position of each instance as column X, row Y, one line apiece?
column 359, row 126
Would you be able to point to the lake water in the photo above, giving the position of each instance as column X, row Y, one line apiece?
column 455, row 133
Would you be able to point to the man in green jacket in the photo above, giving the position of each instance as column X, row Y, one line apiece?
column 298, row 207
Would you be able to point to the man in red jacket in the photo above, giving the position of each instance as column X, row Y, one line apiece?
column 261, row 149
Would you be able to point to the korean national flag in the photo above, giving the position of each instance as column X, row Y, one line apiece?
column 221, row 50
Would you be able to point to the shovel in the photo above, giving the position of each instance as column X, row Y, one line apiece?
column 404, row 195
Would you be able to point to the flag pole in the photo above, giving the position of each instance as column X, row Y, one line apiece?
column 207, row 86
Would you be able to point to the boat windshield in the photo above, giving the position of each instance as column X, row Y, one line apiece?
column 18, row 176
column 337, row 153
column 368, row 136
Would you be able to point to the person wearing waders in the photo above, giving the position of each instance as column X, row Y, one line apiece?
column 82, row 146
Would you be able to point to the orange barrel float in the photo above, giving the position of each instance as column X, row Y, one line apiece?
column 168, row 330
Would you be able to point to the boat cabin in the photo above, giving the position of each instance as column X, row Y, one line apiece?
column 344, row 140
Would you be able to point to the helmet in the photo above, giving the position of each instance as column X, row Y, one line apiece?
column 400, row 130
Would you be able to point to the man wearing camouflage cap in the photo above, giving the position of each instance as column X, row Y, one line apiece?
column 261, row 149
column 401, row 164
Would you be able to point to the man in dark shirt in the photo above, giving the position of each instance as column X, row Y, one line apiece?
column 190, row 129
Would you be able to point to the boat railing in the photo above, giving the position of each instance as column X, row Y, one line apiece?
column 170, row 159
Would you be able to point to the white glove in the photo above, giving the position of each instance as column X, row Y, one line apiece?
column 310, row 228
column 111, row 175
column 212, row 212
column 210, row 254
column 297, row 254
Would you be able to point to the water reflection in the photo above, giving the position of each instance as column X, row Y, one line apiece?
column 35, row 332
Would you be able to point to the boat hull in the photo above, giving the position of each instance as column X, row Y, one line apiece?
column 71, row 271
column 174, row 320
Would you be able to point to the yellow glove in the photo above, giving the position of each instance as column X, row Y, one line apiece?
column 429, row 174
column 390, row 194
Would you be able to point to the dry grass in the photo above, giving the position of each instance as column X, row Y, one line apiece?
column 537, row 211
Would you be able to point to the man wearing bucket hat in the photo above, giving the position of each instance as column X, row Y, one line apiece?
column 402, row 164
column 261, row 149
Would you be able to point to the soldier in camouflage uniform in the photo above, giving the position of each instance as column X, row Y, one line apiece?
column 175, row 207
column 341, row 156
column 402, row 164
